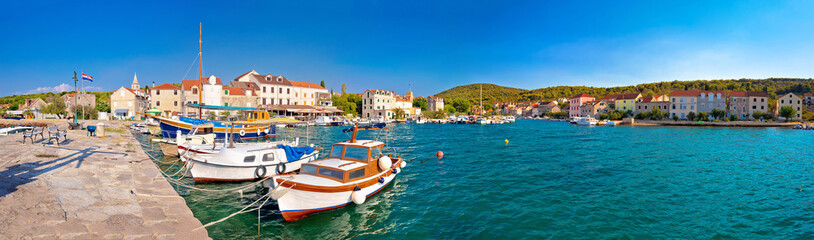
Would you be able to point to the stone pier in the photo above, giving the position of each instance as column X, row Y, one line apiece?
column 102, row 187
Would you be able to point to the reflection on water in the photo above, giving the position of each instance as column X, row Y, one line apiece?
column 554, row 180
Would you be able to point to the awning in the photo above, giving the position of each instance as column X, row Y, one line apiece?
column 121, row 111
column 220, row 107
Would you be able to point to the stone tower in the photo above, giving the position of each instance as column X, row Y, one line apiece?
column 135, row 84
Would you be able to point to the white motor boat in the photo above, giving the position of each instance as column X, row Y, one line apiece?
column 13, row 130
column 586, row 121
column 354, row 171
column 244, row 162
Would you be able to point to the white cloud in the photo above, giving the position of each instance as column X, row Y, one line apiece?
column 61, row 88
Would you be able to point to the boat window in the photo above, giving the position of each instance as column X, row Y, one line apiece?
column 356, row 153
column 377, row 152
column 309, row 169
column 356, row 174
column 336, row 151
column 248, row 159
column 268, row 157
column 330, row 173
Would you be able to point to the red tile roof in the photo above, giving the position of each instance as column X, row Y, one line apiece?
column 737, row 94
column 306, row 84
column 685, row 93
column 582, row 96
column 189, row 83
column 167, row 86
column 757, row 94
column 234, row 91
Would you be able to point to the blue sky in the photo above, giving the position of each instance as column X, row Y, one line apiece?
column 434, row 45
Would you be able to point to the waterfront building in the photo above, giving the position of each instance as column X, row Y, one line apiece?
column 647, row 104
column 126, row 102
column 405, row 103
column 743, row 104
column 626, row 102
column 793, row 101
column 682, row 102
column 378, row 104
column 239, row 97
column 278, row 90
column 576, row 104
column 435, row 103
column 545, row 107
column 808, row 101
column 33, row 106
column 710, row 100
column 166, row 98
column 86, row 100
column 593, row 108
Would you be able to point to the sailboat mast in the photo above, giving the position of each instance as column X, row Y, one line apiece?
column 200, row 68
column 481, row 100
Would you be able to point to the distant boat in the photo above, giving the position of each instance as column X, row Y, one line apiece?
column 586, row 121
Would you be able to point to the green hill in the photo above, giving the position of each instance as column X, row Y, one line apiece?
column 494, row 93
column 491, row 93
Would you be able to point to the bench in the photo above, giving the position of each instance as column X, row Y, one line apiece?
column 34, row 132
column 55, row 133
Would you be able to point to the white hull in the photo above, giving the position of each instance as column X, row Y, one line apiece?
column 297, row 204
column 207, row 172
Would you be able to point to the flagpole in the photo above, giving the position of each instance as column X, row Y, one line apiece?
column 74, row 99
column 77, row 95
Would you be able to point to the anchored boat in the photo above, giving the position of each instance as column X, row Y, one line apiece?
column 249, row 161
column 355, row 170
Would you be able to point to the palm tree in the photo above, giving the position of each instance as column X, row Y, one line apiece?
column 399, row 113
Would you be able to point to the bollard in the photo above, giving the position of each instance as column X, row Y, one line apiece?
column 100, row 129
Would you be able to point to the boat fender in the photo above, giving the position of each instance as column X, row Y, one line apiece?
column 395, row 170
column 257, row 172
column 279, row 192
column 266, row 130
column 381, row 180
column 357, row 196
column 242, row 132
column 403, row 163
column 385, row 163
column 281, row 168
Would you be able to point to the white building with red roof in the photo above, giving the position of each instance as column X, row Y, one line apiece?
column 126, row 102
column 278, row 90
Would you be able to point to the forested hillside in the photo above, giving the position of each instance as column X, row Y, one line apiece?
column 494, row 93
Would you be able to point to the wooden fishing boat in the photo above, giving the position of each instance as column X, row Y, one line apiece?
column 355, row 170
column 256, row 126
column 249, row 161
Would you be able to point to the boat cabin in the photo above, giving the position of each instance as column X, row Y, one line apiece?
column 348, row 162
column 257, row 115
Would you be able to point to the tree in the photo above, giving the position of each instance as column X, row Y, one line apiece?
column 399, row 113
column 211, row 115
column 102, row 106
column 691, row 116
column 322, row 83
column 757, row 115
column 85, row 112
column 656, row 114
column 675, row 118
column 732, row 117
column 449, row 109
column 703, row 116
column 344, row 89
column 603, row 116
column 56, row 107
column 461, row 105
column 420, row 102
column 718, row 113
column 787, row 112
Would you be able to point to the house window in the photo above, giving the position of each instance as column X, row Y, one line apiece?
column 264, row 89
column 194, row 90
column 272, row 89
column 281, row 90
column 288, row 91
column 157, row 92
column 226, row 92
column 175, row 103
column 225, row 104
column 174, row 92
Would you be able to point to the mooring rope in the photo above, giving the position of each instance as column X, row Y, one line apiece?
column 266, row 197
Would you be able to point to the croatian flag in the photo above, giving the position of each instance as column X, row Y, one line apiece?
column 87, row 77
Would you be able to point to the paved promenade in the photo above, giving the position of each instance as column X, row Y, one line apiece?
column 88, row 188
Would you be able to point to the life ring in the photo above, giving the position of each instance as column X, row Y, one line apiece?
column 242, row 132
column 281, row 168
column 257, row 172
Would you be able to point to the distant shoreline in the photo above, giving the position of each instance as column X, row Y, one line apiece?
column 714, row 124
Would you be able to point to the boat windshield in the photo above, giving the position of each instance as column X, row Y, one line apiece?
column 356, row 153
column 336, row 151
column 309, row 169
column 330, row 173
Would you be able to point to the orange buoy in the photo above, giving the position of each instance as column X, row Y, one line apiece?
column 439, row 154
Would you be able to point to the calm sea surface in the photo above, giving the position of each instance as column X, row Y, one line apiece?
column 555, row 181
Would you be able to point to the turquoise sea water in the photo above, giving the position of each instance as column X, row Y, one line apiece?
column 558, row 181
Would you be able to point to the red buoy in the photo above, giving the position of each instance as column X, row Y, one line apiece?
column 439, row 154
